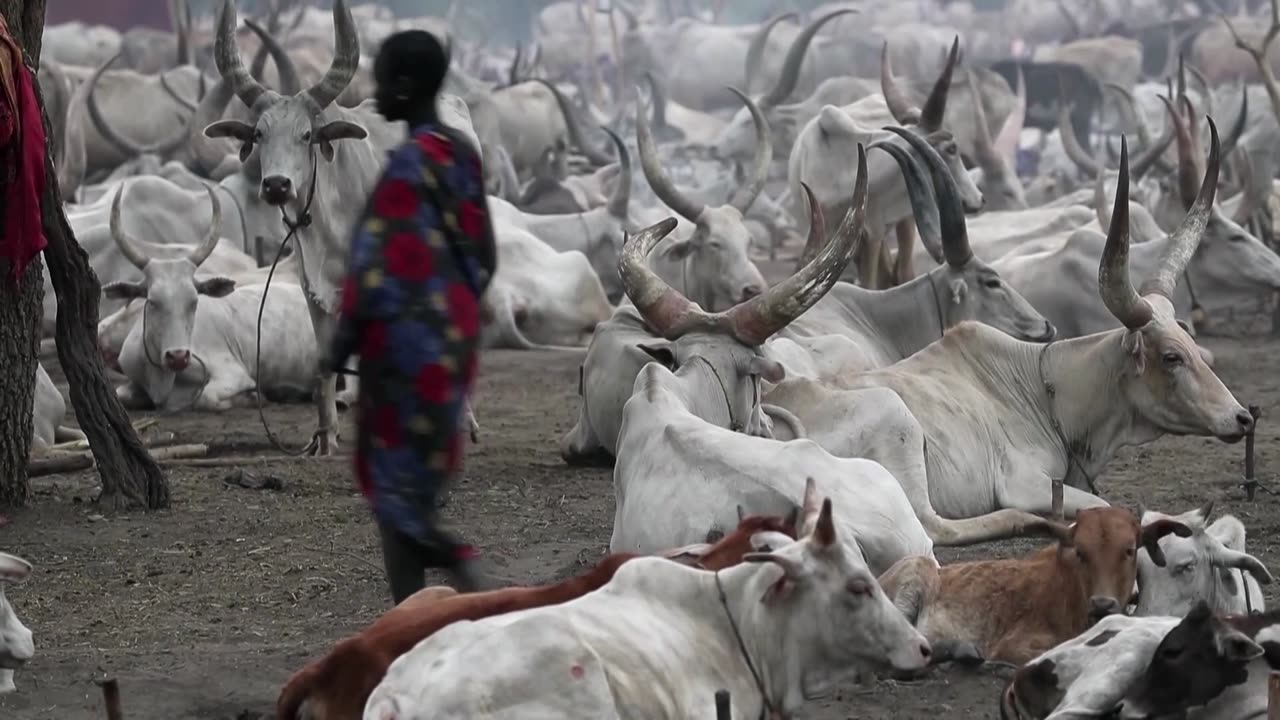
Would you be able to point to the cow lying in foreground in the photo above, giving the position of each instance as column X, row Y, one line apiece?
column 1012, row 610
column 16, row 647
column 1158, row 667
column 660, row 639
column 336, row 686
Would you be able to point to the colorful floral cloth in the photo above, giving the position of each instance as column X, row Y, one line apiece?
column 22, row 158
column 421, row 259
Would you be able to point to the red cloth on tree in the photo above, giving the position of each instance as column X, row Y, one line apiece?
column 22, row 149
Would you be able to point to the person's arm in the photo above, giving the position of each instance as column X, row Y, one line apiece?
column 482, row 226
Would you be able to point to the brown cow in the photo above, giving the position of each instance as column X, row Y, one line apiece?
column 337, row 686
column 1012, row 610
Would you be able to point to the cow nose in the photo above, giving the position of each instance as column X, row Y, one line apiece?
column 750, row 291
column 926, row 652
column 275, row 189
column 1100, row 607
column 1245, row 418
column 177, row 359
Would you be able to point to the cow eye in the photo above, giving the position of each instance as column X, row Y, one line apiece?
column 1237, row 238
column 992, row 283
column 858, row 588
column 1171, row 651
column 1171, row 359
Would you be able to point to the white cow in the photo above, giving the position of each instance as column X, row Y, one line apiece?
column 48, row 410
column 660, row 639
column 1209, row 566
column 16, row 647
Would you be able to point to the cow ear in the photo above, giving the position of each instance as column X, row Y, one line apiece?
column 231, row 129
column 1149, row 537
column 326, row 149
column 662, row 352
column 124, row 290
column 13, row 568
column 216, row 286
column 1134, row 345
column 679, row 250
column 339, row 130
column 768, row 370
column 1237, row 647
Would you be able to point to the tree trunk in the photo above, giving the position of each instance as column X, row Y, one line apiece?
column 130, row 478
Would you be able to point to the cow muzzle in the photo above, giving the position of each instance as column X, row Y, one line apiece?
column 276, row 189
column 177, row 360
column 1100, row 607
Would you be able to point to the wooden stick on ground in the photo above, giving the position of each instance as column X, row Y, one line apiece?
column 111, row 698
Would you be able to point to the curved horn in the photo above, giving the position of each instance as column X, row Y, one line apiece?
column 756, row 48
column 745, row 195
column 1071, row 143
column 123, row 242
column 1100, row 201
column 982, row 146
column 123, row 144
column 227, row 57
column 924, row 206
column 205, row 249
column 1006, row 140
column 513, row 75
column 955, row 233
column 1188, row 183
column 667, row 312
column 1232, row 140
column 790, row 74
column 346, row 58
column 935, row 107
column 899, row 106
column 1186, row 238
column 1129, row 109
column 288, row 74
column 621, row 196
column 168, row 89
column 658, row 181
column 572, row 127
column 817, row 228
column 1114, row 284
column 756, row 320
column 658, row 98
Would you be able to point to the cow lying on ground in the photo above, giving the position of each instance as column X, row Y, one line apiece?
column 16, row 647
column 336, row 686
column 1012, row 610
column 1214, row 666
column 1209, row 566
column 660, row 639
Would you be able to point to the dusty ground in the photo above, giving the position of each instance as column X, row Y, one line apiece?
column 203, row 610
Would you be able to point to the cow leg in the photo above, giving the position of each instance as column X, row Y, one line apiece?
column 1036, row 496
column 325, row 440
column 133, row 397
column 226, row 390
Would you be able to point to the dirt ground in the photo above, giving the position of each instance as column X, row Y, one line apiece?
column 203, row 610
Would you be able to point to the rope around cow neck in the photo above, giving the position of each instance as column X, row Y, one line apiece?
column 1072, row 457
column 768, row 710
column 734, row 425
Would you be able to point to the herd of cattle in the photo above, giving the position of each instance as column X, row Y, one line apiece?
column 804, row 445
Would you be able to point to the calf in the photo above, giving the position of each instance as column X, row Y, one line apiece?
column 336, row 686
column 16, row 647
column 1209, row 566
column 1012, row 610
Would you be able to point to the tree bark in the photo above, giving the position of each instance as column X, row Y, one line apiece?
column 130, row 478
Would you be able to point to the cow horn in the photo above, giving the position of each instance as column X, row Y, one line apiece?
column 513, row 75
column 346, row 58
column 1114, row 284
column 1100, row 201
column 745, row 195
column 123, row 242
column 1232, row 140
column 935, row 107
column 573, row 128
column 1006, row 140
column 955, row 233
column 658, row 98
column 756, row 48
column 621, row 196
column 1071, row 143
column 1129, row 109
column 288, row 73
column 756, row 320
column 817, row 228
column 205, row 249
column 163, row 76
column 1188, row 182
column 790, row 74
column 204, row 153
column 227, row 57
column 664, row 309
column 924, row 206
column 1186, row 238
column 1151, row 154
column 123, row 144
column 899, row 106
column 661, row 184
column 987, row 157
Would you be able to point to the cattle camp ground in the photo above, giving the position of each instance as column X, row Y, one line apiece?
column 712, row 340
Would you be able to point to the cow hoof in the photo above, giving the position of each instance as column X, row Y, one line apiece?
column 324, row 443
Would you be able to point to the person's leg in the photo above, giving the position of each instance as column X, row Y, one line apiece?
column 442, row 550
column 403, row 559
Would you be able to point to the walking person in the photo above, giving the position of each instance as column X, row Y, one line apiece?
column 422, row 256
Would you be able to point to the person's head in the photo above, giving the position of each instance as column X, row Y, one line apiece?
column 410, row 71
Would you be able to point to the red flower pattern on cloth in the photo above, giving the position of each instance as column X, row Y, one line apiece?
column 434, row 383
column 408, row 257
column 386, row 426
column 375, row 341
column 470, row 219
column 437, row 148
column 395, row 200
column 465, row 310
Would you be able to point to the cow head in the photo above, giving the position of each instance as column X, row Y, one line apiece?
column 1162, row 375
column 966, row 288
column 287, row 129
column 16, row 647
column 929, row 120
column 1195, row 662
column 169, row 289
column 1101, row 549
column 828, row 605
column 715, row 260
column 728, row 343
column 735, row 140
column 1201, row 567
column 997, row 157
